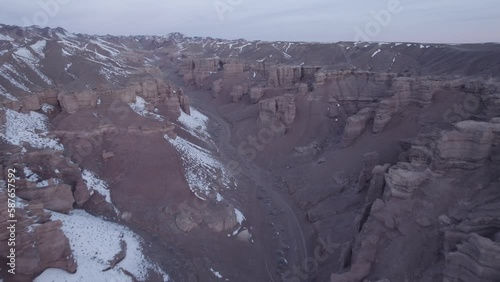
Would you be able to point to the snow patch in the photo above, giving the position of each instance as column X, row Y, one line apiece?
column 30, row 128
column 5, row 38
column 196, row 123
column 26, row 56
column 203, row 172
column 94, row 183
column 30, row 175
column 46, row 108
column 217, row 274
column 38, row 48
column 7, row 71
column 7, row 95
column 239, row 216
column 376, row 52
column 94, row 243
column 140, row 108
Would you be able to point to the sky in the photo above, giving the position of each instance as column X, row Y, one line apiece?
column 426, row 21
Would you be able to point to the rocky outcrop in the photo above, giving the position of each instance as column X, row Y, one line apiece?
column 285, row 76
column 256, row 93
column 82, row 193
column 377, row 184
column 302, row 88
column 219, row 218
column 185, row 103
column 403, row 178
column 471, row 241
column 48, row 96
column 31, row 102
column 237, row 94
column 468, row 147
column 154, row 91
column 72, row 101
column 383, row 114
column 233, row 67
column 107, row 155
column 40, row 243
column 418, row 90
column 57, row 198
column 217, row 87
column 370, row 160
column 406, row 91
column 222, row 220
column 278, row 112
column 356, row 125
column 475, row 259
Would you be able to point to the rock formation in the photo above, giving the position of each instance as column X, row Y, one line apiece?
column 237, row 94
column 40, row 243
column 73, row 101
column 277, row 112
column 403, row 178
column 356, row 125
column 468, row 147
column 57, row 198
column 370, row 160
column 285, row 76
column 217, row 87
column 256, row 93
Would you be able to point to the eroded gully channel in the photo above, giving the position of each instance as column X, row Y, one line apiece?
column 283, row 233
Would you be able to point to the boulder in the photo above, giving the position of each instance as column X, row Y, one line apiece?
column 82, row 193
column 55, row 198
column 31, row 102
column 107, row 155
column 222, row 219
column 185, row 104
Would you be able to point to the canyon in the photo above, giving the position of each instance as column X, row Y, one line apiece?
column 174, row 158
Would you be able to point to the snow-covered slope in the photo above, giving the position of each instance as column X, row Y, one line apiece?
column 95, row 242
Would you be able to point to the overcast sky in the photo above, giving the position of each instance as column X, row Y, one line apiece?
column 448, row 21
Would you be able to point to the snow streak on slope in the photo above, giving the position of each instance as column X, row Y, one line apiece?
column 30, row 128
column 5, row 38
column 196, row 124
column 140, row 108
column 204, row 173
column 6, row 94
column 24, row 56
column 95, row 184
column 9, row 73
column 94, row 243
column 38, row 48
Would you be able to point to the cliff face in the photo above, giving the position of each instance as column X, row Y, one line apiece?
column 470, row 237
